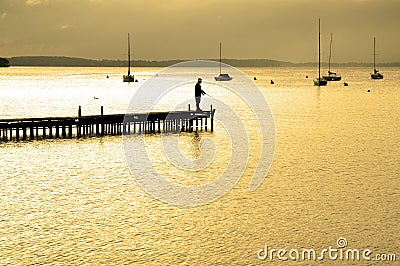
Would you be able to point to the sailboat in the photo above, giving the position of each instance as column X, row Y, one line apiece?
column 331, row 75
column 319, row 81
column 376, row 74
column 221, row 77
column 129, row 77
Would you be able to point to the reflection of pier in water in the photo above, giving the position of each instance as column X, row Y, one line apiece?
column 101, row 125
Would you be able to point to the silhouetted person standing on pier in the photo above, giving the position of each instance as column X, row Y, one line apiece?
column 197, row 94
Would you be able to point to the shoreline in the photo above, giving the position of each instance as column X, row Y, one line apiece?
column 62, row 61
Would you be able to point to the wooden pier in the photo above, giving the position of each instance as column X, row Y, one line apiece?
column 23, row 129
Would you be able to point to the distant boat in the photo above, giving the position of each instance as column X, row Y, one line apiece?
column 129, row 77
column 319, row 81
column 221, row 77
column 4, row 62
column 331, row 75
column 376, row 74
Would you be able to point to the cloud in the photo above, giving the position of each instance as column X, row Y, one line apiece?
column 3, row 16
column 35, row 2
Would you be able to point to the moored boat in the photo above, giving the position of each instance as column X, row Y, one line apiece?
column 129, row 77
column 221, row 77
column 332, row 76
column 320, row 81
column 376, row 74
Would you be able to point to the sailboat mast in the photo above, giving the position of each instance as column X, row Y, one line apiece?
column 129, row 56
column 319, row 48
column 330, row 54
column 374, row 53
column 220, row 60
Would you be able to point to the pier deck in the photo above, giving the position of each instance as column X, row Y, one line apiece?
column 22, row 129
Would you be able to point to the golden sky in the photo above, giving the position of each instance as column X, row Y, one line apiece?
column 192, row 29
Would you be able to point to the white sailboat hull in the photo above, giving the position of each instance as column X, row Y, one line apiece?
column 332, row 77
column 223, row 77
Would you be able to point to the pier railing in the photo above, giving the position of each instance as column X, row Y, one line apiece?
column 22, row 129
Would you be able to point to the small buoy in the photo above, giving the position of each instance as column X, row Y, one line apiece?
column 95, row 98
column 345, row 84
column 255, row 78
column 272, row 82
column 306, row 77
column 368, row 90
column 107, row 76
column 136, row 80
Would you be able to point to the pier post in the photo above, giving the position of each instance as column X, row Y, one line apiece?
column 44, row 131
column 31, row 133
column 78, row 126
column 57, row 131
column 97, row 128
column 212, row 119
column 4, row 134
column 23, row 133
column 50, row 129
column 17, row 133
column 64, row 133
column 102, row 120
column 70, row 129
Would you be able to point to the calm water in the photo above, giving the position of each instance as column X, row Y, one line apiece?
column 335, row 174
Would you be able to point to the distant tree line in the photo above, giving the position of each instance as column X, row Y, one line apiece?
column 4, row 62
column 82, row 62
